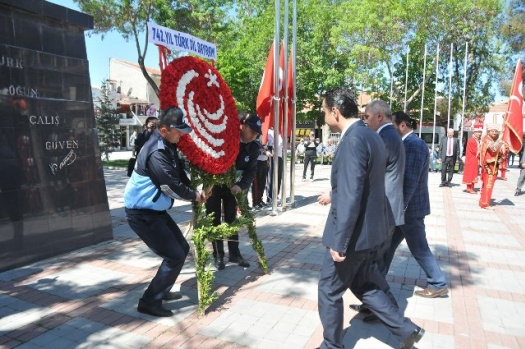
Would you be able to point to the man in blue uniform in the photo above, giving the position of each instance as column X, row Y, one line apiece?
column 223, row 195
column 158, row 178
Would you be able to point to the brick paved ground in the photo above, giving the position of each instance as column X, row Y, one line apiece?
column 87, row 298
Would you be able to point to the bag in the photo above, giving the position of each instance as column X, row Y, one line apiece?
column 131, row 165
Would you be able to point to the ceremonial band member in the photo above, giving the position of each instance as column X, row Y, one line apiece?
column 491, row 149
column 158, row 178
column 471, row 169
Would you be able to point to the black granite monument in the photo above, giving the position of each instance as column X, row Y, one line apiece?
column 52, row 192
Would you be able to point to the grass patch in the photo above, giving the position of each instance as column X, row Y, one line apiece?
column 115, row 163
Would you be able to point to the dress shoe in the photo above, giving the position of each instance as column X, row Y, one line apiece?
column 153, row 309
column 443, row 185
column 219, row 263
column 413, row 338
column 432, row 293
column 241, row 262
column 371, row 318
column 360, row 308
column 172, row 296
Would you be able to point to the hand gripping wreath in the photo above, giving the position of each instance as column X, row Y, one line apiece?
column 209, row 108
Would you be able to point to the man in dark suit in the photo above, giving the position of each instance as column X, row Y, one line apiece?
column 358, row 224
column 449, row 154
column 417, row 206
column 378, row 117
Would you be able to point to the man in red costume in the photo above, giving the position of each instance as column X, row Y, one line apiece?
column 471, row 169
column 491, row 150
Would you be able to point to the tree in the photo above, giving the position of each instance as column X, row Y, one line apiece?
column 107, row 123
column 379, row 33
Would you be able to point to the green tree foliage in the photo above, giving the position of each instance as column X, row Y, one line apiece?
column 358, row 43
column 513, row 27
column 380, row 32
column 107, row 124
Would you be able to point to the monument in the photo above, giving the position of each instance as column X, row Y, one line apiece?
column 52, row 192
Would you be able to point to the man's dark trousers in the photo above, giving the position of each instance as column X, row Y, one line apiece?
column 222, row 197
column 359, row 271
column 162, row 235
column 447, row 167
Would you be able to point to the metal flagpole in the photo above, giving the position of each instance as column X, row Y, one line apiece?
column 293, row 100
column 406, row 81
column 276, row 66
column 464, row 98
column 435, row 98
column 423, row 90
column 285, row 108
column 391, row 86
column 450, row 85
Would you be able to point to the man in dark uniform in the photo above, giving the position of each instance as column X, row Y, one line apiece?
column 246, row 166
column 157, row 180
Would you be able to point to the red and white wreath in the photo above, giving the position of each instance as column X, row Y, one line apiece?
column 209, row 108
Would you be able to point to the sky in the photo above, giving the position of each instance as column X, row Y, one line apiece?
column 99, row 50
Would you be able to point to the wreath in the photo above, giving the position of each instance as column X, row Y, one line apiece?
column 198, row 89
column 209, row 108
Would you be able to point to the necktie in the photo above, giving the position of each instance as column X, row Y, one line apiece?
column 449, row 147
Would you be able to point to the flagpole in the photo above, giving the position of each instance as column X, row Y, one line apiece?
column 285, row 108
column 450, row 84
column 435, row 97
column 293, row 101
column 423, row 91
column 406, row 81
column 276, row 65
column 464, row 98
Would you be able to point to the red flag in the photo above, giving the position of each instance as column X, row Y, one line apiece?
column 513, row 125
column 264, row 98
column 264, row 106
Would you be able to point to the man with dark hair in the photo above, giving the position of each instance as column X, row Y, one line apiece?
column 223, row 195
column 142, row 138
column 358, row 224
column 417, row 207
column 157, row 180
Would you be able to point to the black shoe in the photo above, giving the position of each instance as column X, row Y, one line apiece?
column 172, row 296
column 360, row 308
column 442, row 184
column 241, row 262
column 153, row 309
column 517, row 193
column 370, row 318
column 219, row 263
column 413, row 338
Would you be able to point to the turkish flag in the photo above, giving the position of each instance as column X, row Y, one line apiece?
column 513, row 125
column 264, row 97
column 264, row 106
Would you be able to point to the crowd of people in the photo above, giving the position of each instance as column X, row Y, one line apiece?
column 484, row 158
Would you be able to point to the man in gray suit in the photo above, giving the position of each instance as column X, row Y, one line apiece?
column 448, row 155
column 359, row 223
column 378, row 117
